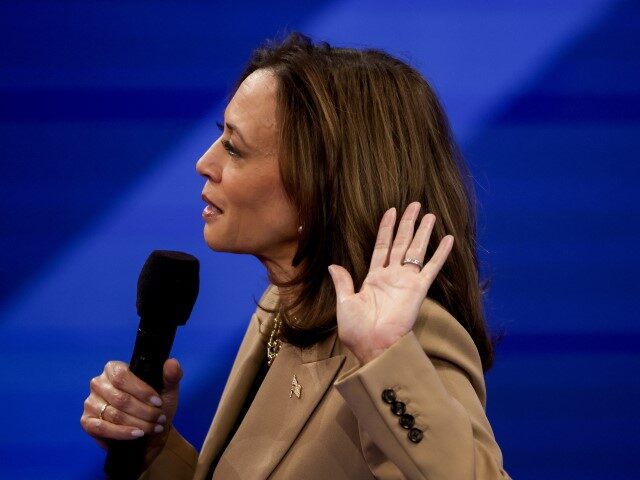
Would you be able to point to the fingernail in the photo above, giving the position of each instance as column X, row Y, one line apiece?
column 162, row 418
column 137, row 433
column 155, row 400
column 158, row 428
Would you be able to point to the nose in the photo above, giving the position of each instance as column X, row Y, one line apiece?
column 207, row 167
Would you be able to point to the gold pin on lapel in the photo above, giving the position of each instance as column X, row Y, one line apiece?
column 296, row 388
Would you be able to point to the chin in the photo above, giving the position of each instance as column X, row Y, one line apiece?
column 217, row 244
column 213, row 241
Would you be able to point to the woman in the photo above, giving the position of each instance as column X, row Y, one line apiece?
column 347, row 370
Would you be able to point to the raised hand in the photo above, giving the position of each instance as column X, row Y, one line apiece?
column 387, row 305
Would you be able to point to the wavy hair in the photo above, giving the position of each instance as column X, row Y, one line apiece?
column 359, row 132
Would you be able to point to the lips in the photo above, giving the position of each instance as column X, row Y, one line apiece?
column 212, row 211
column 211, row 204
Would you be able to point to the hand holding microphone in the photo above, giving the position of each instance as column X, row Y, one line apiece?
column 120, row 406
column 130, row 409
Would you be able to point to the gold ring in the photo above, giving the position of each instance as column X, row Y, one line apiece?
column 104, row 407
column 413, row 261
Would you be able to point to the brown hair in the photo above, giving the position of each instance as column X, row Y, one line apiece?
column 359, row 132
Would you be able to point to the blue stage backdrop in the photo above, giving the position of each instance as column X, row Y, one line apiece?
column 106, row 106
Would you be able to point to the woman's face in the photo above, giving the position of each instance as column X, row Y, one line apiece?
column 247, row 210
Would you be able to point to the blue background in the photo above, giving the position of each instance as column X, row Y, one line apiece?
column 106, row 106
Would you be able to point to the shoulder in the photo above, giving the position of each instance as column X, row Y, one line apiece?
column 263, row 315
column 446, row 342
column 270, row 296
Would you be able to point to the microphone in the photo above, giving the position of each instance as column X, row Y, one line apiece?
column 167, row 289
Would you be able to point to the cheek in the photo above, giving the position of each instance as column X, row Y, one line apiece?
column 275, row 210
column 253, row 188
column 257, row 199
column 250, row 192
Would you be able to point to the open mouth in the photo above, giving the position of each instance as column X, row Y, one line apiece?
column 211, row 210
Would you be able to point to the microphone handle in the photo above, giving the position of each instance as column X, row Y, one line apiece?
column 125, row 458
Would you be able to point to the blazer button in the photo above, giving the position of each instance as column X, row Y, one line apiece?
column 398, row 408
column 388, row 395
column 407, row 421
column 415, row 435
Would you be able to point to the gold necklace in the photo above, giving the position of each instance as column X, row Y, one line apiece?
column 273, row 345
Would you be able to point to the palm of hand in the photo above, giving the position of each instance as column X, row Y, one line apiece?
column 383, row 310
column 386, row 306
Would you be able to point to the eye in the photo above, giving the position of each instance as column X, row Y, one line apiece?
column 228, row 146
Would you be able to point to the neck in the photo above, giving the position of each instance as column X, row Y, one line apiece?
column 281, row 270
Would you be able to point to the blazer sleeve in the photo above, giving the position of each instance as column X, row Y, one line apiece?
column 435, row 371
column 176, row 461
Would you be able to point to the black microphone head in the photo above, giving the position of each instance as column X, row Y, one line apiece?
column 167, row 287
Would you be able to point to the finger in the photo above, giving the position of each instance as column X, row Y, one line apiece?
column 418, row 248
column 342, row 282
column 121, row 377
column 436, row 262
column 380, row 257
column 95, row 404
column 171, row 375
column 102, row 429
column 124, row 401
column 405, row 233
column 84, row 423
column 87, row 412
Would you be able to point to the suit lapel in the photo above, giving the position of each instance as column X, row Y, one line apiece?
column 276, row 416
column 251, row 354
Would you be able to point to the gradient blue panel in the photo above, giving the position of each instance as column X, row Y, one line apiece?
column 92, row 93
column 561, row 233
column 104, row 109
column 100, row 105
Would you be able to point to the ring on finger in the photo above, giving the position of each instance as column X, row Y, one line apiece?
column 413, row 261
column 104, row 407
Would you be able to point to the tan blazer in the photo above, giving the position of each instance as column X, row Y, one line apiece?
column 340, row 427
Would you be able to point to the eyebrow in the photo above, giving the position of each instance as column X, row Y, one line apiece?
column 235, row 130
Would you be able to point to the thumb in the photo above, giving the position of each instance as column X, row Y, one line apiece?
column 171, row 374
column 342, row 282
